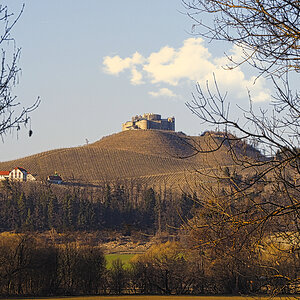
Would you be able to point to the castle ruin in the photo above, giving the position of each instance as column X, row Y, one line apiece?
column 149, row 121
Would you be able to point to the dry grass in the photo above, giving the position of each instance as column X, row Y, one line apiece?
column 144, row 297
column 149, row 155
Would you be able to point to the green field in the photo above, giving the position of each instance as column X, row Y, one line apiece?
column 144, row 297
column 125, row 258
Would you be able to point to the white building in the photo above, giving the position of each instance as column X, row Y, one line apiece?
column 19, row 174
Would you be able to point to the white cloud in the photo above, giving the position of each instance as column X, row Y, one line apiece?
column 164, row 92
column 136, row 77
column 188, row 62
column 258, row 91
column 114, row 65
column 191, row 62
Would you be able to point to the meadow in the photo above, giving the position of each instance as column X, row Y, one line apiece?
column 125, row 258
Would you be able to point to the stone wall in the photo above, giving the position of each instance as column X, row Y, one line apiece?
column 149, row 121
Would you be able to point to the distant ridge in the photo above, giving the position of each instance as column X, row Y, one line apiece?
column 152, row 156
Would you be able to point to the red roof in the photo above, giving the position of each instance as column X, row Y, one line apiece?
column 16, row 168
column 4, row 172
column 21, row 169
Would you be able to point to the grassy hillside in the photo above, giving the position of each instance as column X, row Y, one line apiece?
column 155, row 142
column 149, row 155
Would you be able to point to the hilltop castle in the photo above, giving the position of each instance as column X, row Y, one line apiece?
column 149, row 121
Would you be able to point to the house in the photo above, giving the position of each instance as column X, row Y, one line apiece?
column 30, row 177
column 18, row 174
column 54, row 179
column 4, row 175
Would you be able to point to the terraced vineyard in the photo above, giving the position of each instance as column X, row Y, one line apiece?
column 152, row 156
column 155, row 142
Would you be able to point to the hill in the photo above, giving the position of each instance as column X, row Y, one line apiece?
column 154, row 142
column 149, row 155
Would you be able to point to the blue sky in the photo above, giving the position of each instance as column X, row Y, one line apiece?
column 97, row 63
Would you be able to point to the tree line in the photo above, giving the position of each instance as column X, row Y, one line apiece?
column 122, row 207
column 29, row 267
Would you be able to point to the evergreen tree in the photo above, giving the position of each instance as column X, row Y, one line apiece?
column 28, row 225
column 22, row 210
column 149, row 207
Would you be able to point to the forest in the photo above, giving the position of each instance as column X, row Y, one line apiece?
column 124, row 207
column 206, row 251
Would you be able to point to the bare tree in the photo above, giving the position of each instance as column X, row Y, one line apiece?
column 9, row 72
column 268, row 33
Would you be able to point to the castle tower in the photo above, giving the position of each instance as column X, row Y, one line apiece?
column 149, row 121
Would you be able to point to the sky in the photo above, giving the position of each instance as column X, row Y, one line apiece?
column 95, row 64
